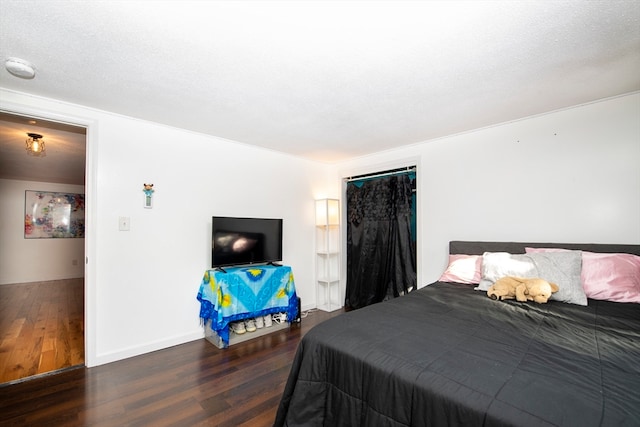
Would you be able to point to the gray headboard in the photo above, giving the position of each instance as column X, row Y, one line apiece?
column 478, row 248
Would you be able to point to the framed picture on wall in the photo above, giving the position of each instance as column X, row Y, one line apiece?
column 49, row 215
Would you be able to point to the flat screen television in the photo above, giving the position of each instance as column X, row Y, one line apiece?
column 244, row 241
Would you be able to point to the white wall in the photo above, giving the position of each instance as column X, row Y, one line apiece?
column 32, row 260
column 567, row 176
column 152, row 273
column 142, row 284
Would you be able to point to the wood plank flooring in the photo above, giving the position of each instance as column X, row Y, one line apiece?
column 41, row 327
column 193, row 384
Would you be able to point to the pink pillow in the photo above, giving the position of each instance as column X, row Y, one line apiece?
column 463, row 269
column 612, row 277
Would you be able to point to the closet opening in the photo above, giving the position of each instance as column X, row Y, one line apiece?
column 381, row 236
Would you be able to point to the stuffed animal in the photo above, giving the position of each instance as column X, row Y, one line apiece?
column 503, row 288
column 520, row 289
column 537, row 290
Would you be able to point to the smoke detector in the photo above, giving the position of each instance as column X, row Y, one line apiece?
column 20, row 68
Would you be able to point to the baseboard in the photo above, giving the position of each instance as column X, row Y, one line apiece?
column 308, row 307
column 102, row 359
column 115, row 356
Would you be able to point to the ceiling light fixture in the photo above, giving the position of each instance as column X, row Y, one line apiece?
column 35, row 145
column 20, row 68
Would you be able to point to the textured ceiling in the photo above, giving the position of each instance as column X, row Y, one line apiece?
column 325, row 80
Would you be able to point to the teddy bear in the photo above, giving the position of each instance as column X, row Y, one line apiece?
column 522, row 289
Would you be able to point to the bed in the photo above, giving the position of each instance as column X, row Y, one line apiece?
column 447, row 355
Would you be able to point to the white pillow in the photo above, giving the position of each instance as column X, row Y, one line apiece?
column 496, row 265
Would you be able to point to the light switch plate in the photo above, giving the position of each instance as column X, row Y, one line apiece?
column 123, row 223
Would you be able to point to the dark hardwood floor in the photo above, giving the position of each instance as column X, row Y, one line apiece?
column 193, row 384
column 41, row 327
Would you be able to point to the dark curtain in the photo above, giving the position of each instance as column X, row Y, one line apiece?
column 381, row 261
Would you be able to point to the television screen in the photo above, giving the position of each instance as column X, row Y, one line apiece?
column 241, row 241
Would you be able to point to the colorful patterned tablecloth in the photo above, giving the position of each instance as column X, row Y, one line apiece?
column 245, row 292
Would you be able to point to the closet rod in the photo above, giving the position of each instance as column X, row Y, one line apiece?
column 379, row 174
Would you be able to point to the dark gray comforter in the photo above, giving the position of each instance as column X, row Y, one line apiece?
column 447, row 355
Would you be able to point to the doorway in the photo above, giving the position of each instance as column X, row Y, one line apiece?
column 381, row 236
column 42, row 282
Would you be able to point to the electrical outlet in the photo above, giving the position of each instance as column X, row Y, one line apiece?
column 74, row 262
column 123, row 223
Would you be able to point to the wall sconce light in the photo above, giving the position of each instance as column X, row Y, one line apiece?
column 327, row 212
column 35, row 145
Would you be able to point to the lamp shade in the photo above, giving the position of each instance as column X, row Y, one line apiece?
column 327, row 212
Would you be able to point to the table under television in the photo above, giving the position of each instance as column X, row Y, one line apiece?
column 238, row 293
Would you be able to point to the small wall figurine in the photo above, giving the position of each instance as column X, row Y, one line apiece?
column 148, row 193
